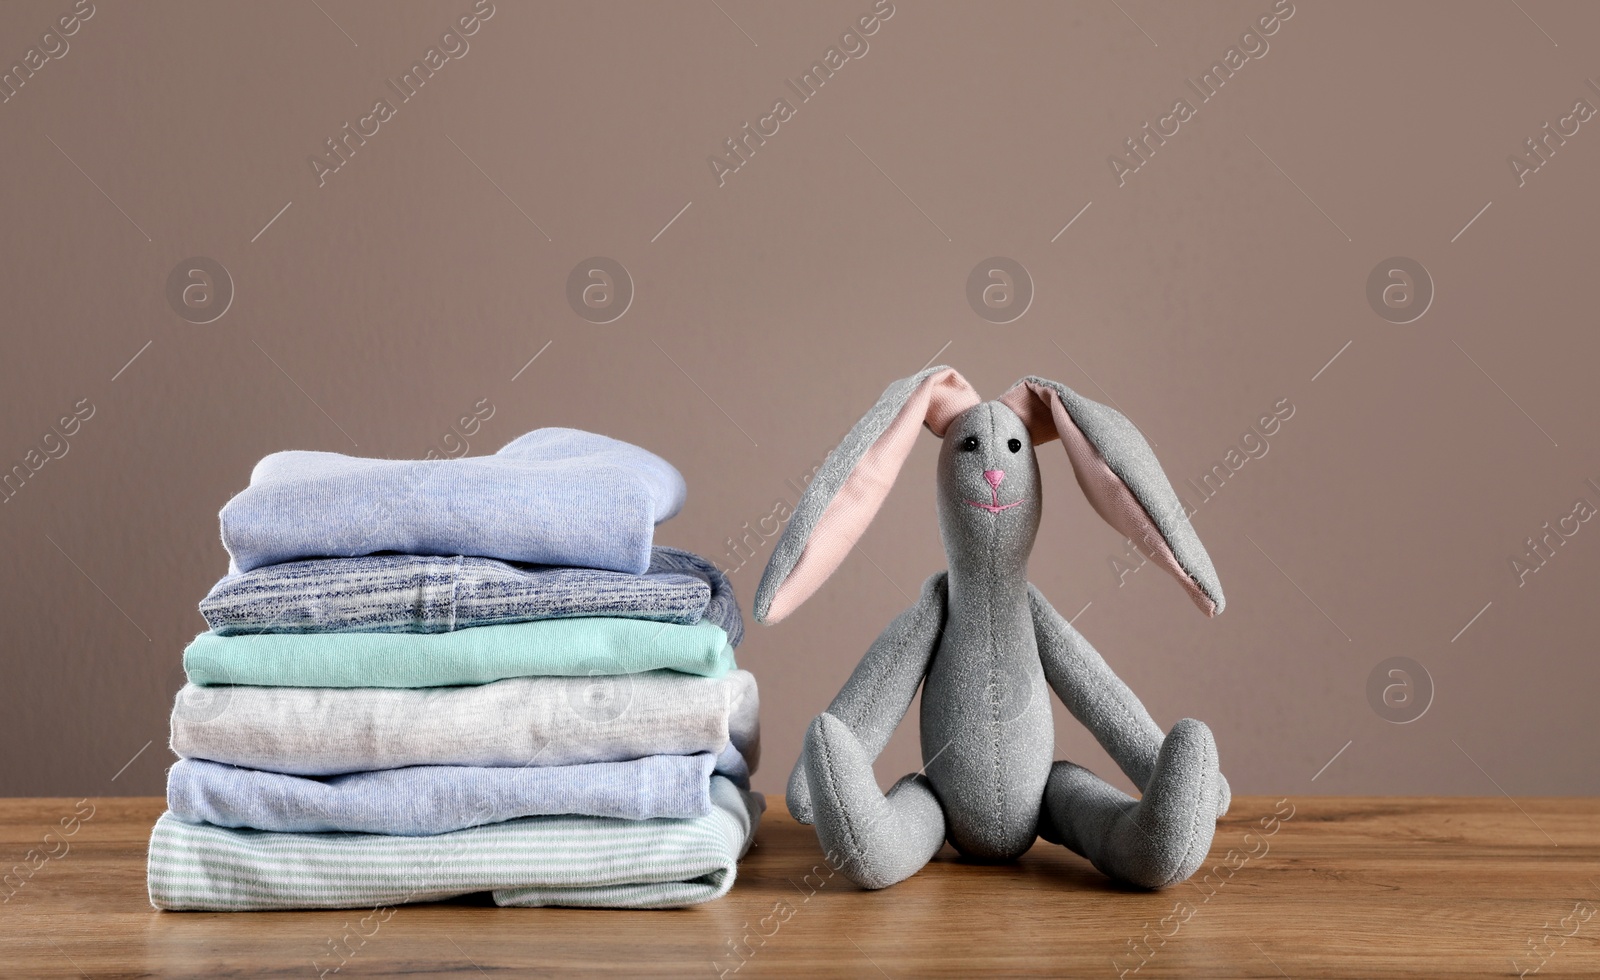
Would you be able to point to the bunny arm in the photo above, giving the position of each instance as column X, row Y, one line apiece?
column 1099, row 699
column 1094, row 694
column 878, row 694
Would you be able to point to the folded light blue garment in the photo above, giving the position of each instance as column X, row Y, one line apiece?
column 421, row 800
column 430, row 594
column 554, row 648
column 590, row 862
column 550, row 497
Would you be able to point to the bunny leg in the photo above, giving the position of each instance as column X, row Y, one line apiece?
column 879, row 691
column 873, row 839
column 1152, row 842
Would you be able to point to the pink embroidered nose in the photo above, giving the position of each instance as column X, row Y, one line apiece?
column 994, row 477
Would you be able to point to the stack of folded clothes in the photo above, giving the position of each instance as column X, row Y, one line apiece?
column 431, row 678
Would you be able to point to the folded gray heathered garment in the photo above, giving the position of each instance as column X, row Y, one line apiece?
column 434, row 594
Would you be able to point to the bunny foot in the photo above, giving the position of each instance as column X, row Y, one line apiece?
column 1152, row 842
column 874, row 840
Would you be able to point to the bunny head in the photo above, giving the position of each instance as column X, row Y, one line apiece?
column 988, row 491
column 988, row 485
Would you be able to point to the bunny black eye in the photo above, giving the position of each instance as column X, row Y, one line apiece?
column 969, row 444
column 1014, row 444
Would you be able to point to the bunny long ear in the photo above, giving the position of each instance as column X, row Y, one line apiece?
column 1122, row 479
column 846, row 493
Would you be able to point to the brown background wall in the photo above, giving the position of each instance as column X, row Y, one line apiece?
column 1222, row 276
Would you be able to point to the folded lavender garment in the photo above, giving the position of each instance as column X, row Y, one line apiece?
column 522, row 721
column 420, row 800
column 550, row 497
column 433, row 594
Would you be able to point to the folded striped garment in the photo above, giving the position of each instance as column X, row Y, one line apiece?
column 540, row 721
column 431, row 594
column 560, row 647
column 579, row 861
column 421, row 800
column 550, row 497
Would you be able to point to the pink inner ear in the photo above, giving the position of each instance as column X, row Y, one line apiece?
column 1041, row 411
column 936, row 402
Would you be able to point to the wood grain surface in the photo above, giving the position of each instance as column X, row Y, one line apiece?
column 1313, row 887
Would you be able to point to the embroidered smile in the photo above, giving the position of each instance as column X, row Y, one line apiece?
column 994, row 506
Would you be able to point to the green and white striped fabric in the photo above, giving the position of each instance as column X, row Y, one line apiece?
column 595, row 862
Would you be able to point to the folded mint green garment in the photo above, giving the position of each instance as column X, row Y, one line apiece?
column 592, row 862
column 549, row 648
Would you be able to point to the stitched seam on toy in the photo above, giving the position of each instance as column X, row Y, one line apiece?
column 1133, row 725
column 882, row 678
column 1127, row 714
column 994, row 693
column 1194, row 831
column 844, row 813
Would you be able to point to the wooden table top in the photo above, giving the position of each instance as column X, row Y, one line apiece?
column 1341, row 887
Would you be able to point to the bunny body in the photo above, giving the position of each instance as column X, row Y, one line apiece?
column 985, row 720
column 986, row 648
column 987, row 736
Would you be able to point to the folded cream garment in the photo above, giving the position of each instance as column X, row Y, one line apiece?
column 541, row 721
column 568, row 860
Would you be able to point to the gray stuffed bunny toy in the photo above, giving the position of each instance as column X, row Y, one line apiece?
column 983, row 643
